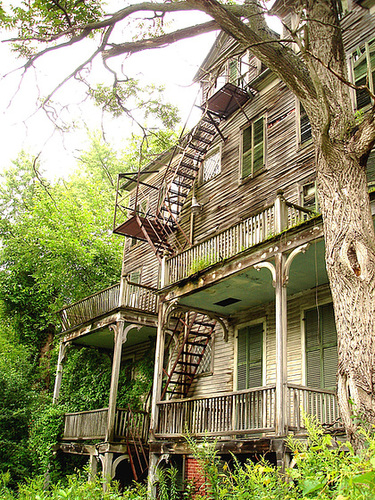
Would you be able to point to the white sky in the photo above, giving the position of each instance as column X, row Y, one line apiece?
column 22, row 126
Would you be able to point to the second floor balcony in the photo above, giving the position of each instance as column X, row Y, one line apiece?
column 252, row 231
column 132, row 295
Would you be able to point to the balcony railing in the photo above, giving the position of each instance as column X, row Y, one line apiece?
column 245, row 412
column 89, row 425
column 135, row 296
column 242, row 412
column 228, row 243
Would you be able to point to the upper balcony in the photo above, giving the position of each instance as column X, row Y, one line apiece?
column 248, row 233
column 133, row 296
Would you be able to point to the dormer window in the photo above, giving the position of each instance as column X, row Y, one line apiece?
column 212, row 165
column 253, row 148
column 363, row 61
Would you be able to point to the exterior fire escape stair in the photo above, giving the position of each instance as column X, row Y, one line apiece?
column 137, row 451
column 194, row 331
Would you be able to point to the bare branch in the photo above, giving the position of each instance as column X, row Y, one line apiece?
column 161, row 41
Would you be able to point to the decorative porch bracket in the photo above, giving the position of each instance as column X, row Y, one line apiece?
column 120, row 336
column 280, row 277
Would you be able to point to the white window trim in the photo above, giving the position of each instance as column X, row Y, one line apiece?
column 211, row 152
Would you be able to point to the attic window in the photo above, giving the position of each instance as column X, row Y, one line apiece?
column 212, row 165
column 227, row 302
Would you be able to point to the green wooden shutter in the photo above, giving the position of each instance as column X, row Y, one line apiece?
column 371, row 168
column 258, row 148
column 305, row 126
column 321, row 347
column 250, row 357
column 360, row 68
column 313, row 363
column 246, row 152
column 233, row 71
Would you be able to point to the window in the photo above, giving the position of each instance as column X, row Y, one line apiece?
column 134, row 290
column 371, row 168
column 212, row 165
column 304, row 126
column 250, row 357
column 205, row 366
column 253, row 148
column 321, row 347
column 363, row 60
column 238, row 70
column 308, row 195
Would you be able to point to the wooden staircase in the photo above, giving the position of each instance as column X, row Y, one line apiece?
column 137, row 450
column 194, row 331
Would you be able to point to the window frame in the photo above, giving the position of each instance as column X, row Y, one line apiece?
column 308, row 141
column 370, row 71
column 212, row 152
column 253, row 174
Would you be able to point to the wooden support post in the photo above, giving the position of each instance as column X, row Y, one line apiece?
column 59, row 372
column 281, row 213
column 151, row 479
column 281, row 346
column 107, row 469
column 93, row 467
column 158, row 369
column 120, row 336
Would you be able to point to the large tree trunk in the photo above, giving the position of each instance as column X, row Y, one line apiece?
column 350, row 261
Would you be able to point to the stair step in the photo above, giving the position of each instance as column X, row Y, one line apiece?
column 197, row 148
column 192, row 157
column 195, row 354
column 198, row 344
column 201, row 139
column 176, row 392
column 199, row 334
column 211, row 325
column 186, row 186
column 187, row 165
column 177, row 193
column 184, row 373
column 187, row 363
column 206, row 130
column 174, row 202
column 172, row 211
column 187, row 176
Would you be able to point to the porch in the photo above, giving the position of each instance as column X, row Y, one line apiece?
column 132, row 295
column 251, row 411
column 93, row 425
column 272, row 220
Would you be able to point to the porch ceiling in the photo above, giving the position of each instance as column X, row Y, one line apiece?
column 103, row 338
column 253, row 288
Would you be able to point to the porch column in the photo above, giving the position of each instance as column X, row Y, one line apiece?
column 281, row 346
column 120, row 336
column 158, row 370
column 59, row 371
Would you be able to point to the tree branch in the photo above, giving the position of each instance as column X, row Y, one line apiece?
column 161, row 41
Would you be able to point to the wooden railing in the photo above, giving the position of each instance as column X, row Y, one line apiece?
column 135, row 296
column 230, row 242
column 87, row 425
column 132, row 424
column 307, row 401
column 242, row 412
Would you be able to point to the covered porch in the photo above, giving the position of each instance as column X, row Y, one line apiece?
column 245, row 413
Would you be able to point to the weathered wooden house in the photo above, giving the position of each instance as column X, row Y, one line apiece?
column 224, row 265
